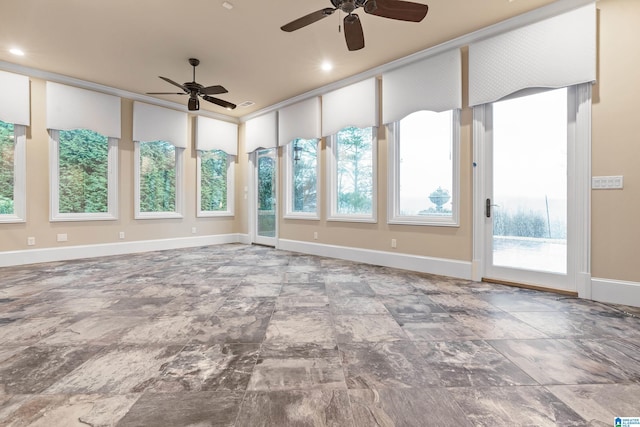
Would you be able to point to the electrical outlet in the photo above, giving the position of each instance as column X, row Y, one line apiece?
column 31, row 241
column 62, row 237
column 193, row 230
column 394, row 243
column 315, row 235
column 121, row 235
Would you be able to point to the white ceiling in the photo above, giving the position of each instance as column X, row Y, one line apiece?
column 127, row 44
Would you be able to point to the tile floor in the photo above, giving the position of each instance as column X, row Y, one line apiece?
column 237, row 335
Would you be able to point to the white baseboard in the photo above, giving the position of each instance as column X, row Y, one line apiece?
column 615, row 291
column 440, row 266
column 33, row 256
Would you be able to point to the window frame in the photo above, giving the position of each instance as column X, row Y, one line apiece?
column 19, row 177
column 54, row 184
column 231, row 159
column 179, row 202
column 332, row 190
column 393, row 214
column 289, row 213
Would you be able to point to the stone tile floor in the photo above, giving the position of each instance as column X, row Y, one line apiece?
column 237, row 335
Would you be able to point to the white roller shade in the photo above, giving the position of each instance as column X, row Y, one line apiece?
column 261, row 132
column 14, row 103
column 354, row 105
column 153, row 123
column 301, row 120
column 432, row 84
column 70, row 108
column 214, row 134
column 556, row 52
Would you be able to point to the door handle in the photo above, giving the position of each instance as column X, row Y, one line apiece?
column 487, row 208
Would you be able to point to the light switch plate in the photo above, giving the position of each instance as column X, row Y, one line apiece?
column 607, row 182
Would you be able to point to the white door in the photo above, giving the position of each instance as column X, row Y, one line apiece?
column 266, row 218
column 526, row 190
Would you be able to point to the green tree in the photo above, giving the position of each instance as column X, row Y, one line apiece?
column 83, row 171
column 305, row 173
column 6, row 168
column 354, row 156
column 213, row 180
column 157, row 177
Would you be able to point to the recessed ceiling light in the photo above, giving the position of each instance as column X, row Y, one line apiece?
column 326, row 66
column 227, row 5
column 16, row 51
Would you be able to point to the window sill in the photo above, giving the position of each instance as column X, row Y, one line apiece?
column 158, row 215
column 215, row 214
column 83, row 217
column 354, row 218
column 429, row 222
column 306, row 217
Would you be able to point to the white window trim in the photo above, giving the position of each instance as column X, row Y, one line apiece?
column 54, row 183
column 393, row 209
column 230, row 188
column 288, row 179
column 19, row 177
column 332, row 212
column 179, row 187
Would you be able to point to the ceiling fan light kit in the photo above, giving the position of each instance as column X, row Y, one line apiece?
column 354, row 36
column 195, row 90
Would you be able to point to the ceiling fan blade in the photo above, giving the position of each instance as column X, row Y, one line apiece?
column 174, row 83
column 353, row 33
column 307, row 19
column 166, row 93
column 397, row 9
column 213, row 90
column 220, row 102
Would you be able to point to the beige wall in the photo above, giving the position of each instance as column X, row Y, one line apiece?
column 14, row 236
column 616, row 143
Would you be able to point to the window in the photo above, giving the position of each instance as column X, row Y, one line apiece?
column 83, row 175
column 302, row 179
column 158, row 180
column 12, row 172
column 352, row 175
column 424, row 160
column 215, row 183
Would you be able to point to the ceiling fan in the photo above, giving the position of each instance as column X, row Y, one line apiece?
column 394, row 9
column 194, row 90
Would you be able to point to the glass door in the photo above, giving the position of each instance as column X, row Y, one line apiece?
column 526, row 195
column 266, row 213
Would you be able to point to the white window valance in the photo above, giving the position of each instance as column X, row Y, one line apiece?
column 153, row 123
column 15, row 102
column 354, row 105
column 432, row 84
column 300, row 120
column 261, row 132
column 70, row 108
column 212, row 134
column 556, row 52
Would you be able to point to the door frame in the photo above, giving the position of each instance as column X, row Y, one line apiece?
column 578, row 278
column 253, row 196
